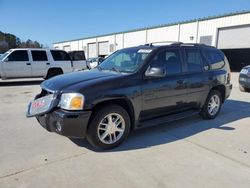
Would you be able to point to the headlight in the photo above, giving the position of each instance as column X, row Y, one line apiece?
column 71, row 101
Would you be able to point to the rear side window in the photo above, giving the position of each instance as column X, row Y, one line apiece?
column 39, row 55
column 60, row 55
column 170, row 60
column 194, row 60
column 215, row 58
column 77, row 56
column 19, row 55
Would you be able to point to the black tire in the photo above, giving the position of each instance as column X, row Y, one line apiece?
column 205, row 113
column 93, row 132
column 53, row 72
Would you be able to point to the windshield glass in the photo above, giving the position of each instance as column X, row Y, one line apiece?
column 5, row 55
column 127, row 60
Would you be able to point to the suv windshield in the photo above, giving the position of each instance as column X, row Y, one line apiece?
column 127, row 60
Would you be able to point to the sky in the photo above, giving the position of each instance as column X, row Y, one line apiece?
column 49, row 21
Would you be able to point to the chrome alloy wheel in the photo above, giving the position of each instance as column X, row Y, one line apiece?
column 214, row 105
column 111, row 128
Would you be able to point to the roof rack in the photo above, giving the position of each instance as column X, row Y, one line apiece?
column 164, row 42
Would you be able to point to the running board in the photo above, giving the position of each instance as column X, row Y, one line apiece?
column 167, row 119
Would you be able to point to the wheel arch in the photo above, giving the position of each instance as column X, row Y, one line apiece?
column 123, row 102
column 221, row 89
column 53, row 69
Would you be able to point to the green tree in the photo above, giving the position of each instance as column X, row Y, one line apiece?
column 8, row 41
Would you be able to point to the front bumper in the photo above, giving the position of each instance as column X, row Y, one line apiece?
column 228, row 90
column 66, row 123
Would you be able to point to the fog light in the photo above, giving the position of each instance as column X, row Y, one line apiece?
column 58, row 126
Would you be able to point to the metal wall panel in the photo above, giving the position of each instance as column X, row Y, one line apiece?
column 118, row 41
column 134, row 38
column 163, row 34
column 189, row 32
column 74, row 45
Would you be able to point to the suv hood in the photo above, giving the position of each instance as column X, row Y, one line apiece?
column 63, row 81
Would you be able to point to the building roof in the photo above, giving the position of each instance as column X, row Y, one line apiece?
column 162, row 25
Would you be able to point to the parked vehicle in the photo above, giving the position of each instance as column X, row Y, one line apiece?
column 94, row 62
column 244, row 79
column 32, row 63
column 134, row 88
column 79, row 60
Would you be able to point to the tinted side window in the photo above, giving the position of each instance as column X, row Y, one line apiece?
column 60, row 55
column 170, row 60
column 19, row 55
column 39, row 55
column 77, row 56
column 194, row 60
column 215, row 58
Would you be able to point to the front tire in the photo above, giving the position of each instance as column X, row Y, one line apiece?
column 109, row 127
column 212, row 105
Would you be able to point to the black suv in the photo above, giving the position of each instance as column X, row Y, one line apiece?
column 134, row 88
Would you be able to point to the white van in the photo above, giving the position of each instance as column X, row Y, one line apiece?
column 34, row 63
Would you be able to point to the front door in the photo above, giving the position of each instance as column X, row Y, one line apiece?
column 162, row 96
column 17, row 65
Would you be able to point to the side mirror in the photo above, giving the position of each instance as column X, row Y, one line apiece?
column 6, row 59
column 155, row 72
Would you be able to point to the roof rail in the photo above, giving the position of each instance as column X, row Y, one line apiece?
column 164, row 42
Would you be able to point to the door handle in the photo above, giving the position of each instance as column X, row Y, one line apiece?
column 48, row 63
column 28, row 64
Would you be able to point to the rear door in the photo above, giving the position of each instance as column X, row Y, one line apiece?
column 162, row 96
column 40, row 63
column 79, row 60
column 196, row 71
column 61, row 60
column 18, row 65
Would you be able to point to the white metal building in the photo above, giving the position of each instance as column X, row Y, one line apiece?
column 229, row 32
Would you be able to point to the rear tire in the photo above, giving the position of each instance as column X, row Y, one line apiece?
column 53, row 72
column 109, row 127
column 212, row 105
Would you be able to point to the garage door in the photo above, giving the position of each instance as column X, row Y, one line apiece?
column 66, row 48
column 234, row 37
column 103, row 48
column 91, row 50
